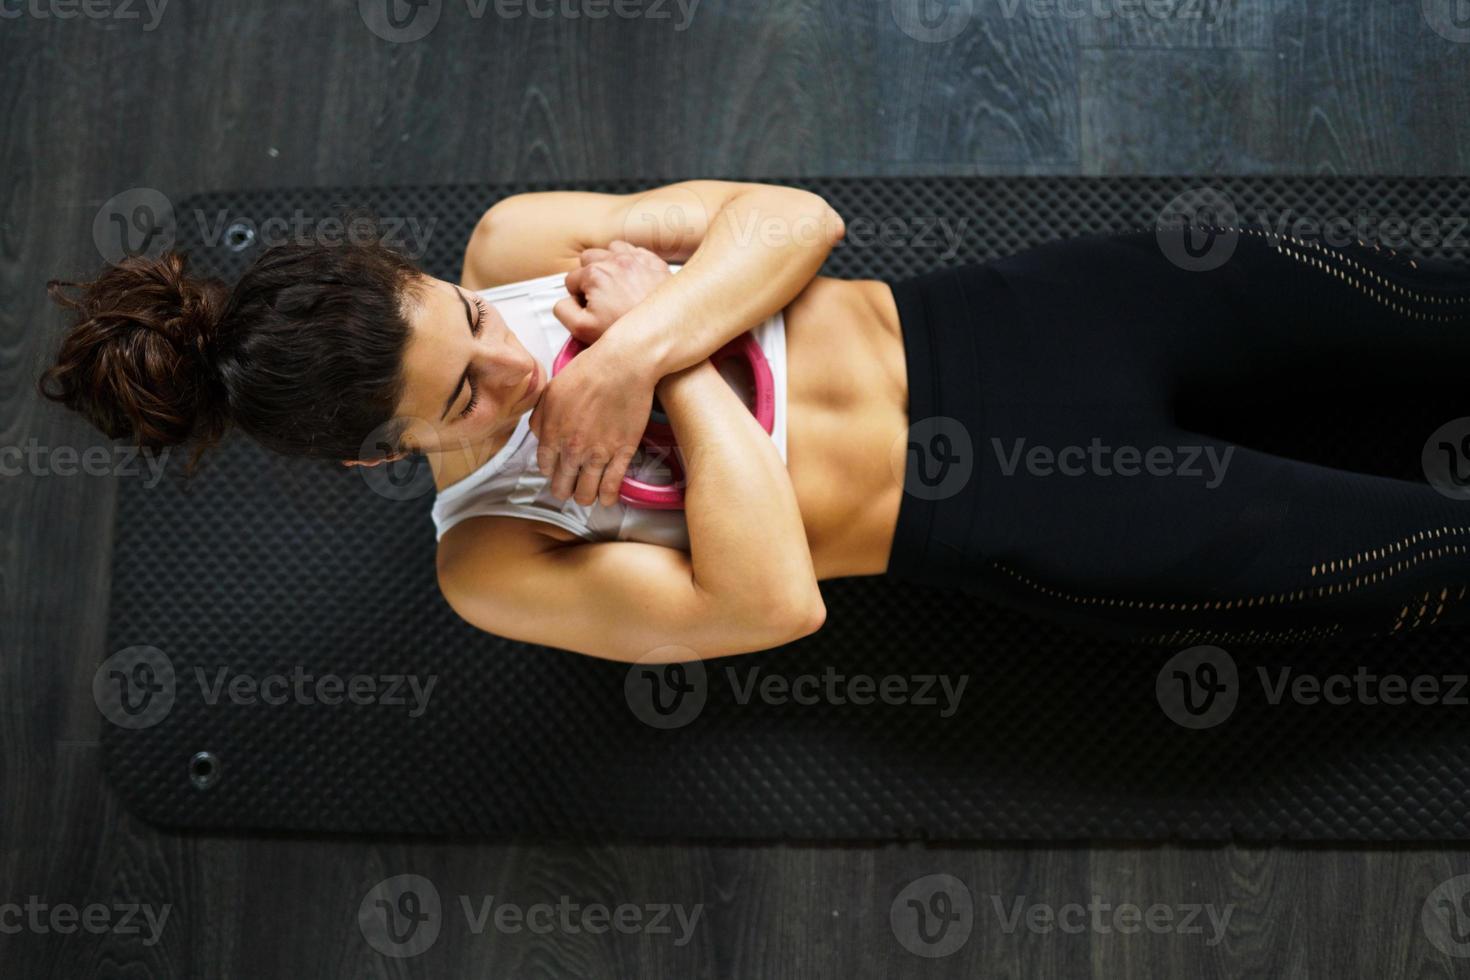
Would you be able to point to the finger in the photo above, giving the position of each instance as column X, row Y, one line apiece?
column 618, row 245
column 592, row 255
column 589, row 480
column 574, row 316
column 612, row 477
column 576, row 281
column 538, row 416
column 564, row 479
column 546, row 453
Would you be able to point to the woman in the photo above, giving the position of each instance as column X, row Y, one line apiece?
column 1010, row 429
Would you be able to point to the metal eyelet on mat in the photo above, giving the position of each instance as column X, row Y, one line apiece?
column 204, row 769
column 239, row 236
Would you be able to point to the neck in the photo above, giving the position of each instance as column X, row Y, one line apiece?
column 455, row 462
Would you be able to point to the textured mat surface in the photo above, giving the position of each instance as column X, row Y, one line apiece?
column 277, row 613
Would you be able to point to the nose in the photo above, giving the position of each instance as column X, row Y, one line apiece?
column 506, row 361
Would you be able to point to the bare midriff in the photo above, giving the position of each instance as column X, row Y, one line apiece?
column 847, row 413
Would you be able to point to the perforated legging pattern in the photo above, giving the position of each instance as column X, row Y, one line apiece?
column 1097, row 341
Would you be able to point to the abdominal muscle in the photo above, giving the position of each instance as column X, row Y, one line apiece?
column 846, row 414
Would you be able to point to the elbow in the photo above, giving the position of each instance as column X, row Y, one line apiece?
column 813, row 618
column 834, row 229
column 821, row 226
column 800, row 616
column 831, row 229
column 770, row 621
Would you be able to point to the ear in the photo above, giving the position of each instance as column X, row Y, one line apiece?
column 392, row 458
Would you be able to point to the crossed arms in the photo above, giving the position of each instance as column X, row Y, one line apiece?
column 748, row 581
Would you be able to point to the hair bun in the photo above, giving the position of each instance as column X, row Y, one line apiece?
column 141, row 359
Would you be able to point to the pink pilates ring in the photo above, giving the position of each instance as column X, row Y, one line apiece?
column 659, row 435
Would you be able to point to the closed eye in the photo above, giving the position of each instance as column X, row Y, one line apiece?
column 476, row 326
column 469, row 407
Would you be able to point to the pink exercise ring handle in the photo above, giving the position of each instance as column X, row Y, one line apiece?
column 656, row 496
column 660, row 436
column 743, row 347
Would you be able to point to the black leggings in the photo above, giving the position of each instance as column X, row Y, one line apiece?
column 1096, row 438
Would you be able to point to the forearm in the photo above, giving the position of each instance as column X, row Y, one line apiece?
column 747, row 541
column 760, row 250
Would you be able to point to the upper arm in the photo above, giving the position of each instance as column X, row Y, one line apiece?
column 530, row 235
column 621, row 600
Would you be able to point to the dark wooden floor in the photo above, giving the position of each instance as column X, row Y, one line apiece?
column 236, row 93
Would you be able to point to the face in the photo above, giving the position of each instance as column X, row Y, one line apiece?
column 468, row 379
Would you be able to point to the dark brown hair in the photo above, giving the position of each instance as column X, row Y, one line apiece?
column 304, row 354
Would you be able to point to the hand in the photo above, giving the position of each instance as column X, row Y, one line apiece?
column 589, row 420
column 610, row 282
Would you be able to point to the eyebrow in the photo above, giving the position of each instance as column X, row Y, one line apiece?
column 463, row 378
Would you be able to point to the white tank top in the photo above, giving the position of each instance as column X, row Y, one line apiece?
column 509, row 485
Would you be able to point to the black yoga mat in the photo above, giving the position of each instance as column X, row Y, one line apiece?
column 269, row 580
